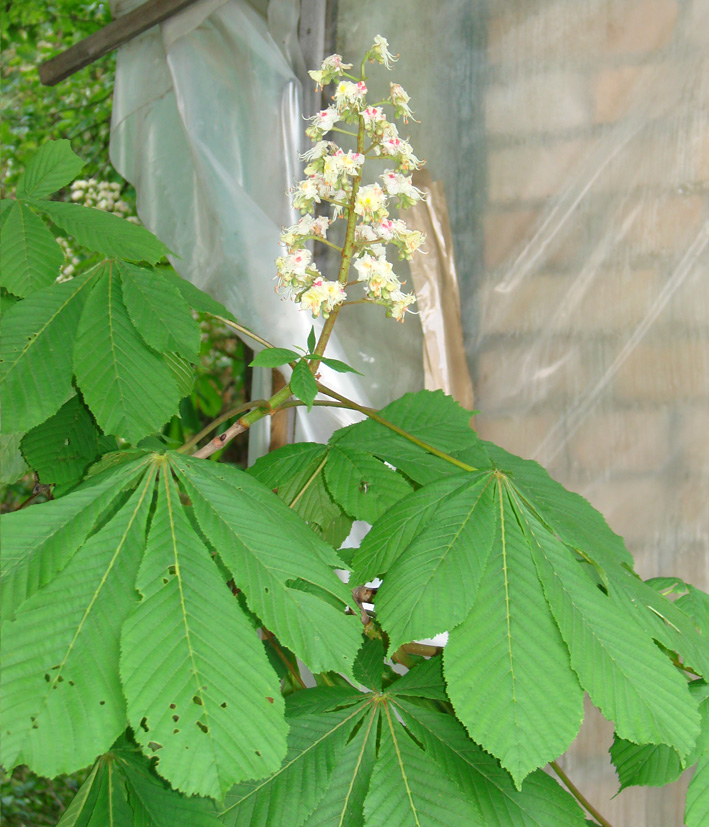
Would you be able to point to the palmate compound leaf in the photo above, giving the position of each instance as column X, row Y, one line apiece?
column 52, row 167
column 618, row 664
column 36, row 367
column 363, row 485
column 30, row 255
column 60, row 448
column 38, row 542
column 128, row 387
column 409, row 788
column 296, row 474
column 433, row 584
column 200, row 691
column 647, row 765
column 431, row 417
column 61, row 698
column 158, row 311
column 540, row 802
column 506, row 665
column 123, row 789
column 103, row 232
column 315, row 746
column 268, row 551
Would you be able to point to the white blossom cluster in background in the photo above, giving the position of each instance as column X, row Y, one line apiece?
column 333, row 177
column 103, row 195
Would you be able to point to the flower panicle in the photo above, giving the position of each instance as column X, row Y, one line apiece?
column 333, row 179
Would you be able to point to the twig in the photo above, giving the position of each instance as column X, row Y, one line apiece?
column 281, row 654
column 247, row 406
column 578, row 795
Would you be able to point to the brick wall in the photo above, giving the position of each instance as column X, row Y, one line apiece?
column 591, row 352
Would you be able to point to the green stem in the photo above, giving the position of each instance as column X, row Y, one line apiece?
column 343, row 131
column 324, row 241
column 244, row 330
column 392, row 427
column 310, row 481
column 578, row 795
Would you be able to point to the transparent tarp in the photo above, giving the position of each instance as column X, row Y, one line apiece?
column 569, row 140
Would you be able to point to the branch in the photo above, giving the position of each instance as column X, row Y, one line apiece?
column 578, row 795
column 247, row 406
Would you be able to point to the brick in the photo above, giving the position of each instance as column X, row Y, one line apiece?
column 525, row 307
column 649, row 90
column 670, row 370
column 544, row 102
column 580, row 31
column 532, row 173
column 521, row 434
column 693, row 440
column 613, row 301
column 514, row 377
column 622, row 440
column 504, row 232
column 688, row 307
column 697, row 21
column 661, row 225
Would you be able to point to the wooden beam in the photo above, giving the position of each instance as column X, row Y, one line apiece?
column 110, row 37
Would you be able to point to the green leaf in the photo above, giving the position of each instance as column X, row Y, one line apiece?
column 60, row 449
column 62, row 700
column 39, row 541
column 312, row 341
column 315, row 743
column 36, row 368
column 104, row 232
column 393, row 532
column 423, row 681
column 697, row 809
column 158, row 311
column 267, row 549
column 303, row 384
column 363, row 485
column 31, row 257
column 568, row 514
column 409, row 788
column 541, row 802
column 123, row 789
column 430, row 416
column 197, row 299
column 696, row 604
column 183, row 373
column 647, row 765
column 338, row 366
column 128, row 387
column 507, row 667
column 273, row 357
column 12, row 463
column 434, row 582
column 186, row 692
column 369, row 665
column 295, row 473
column 618, row 664
column 52, row 167
column 343, row 802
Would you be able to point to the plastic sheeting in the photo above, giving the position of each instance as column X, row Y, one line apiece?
column 207, row 125
column 573, row 141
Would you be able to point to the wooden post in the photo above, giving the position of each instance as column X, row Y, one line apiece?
column 108, row 38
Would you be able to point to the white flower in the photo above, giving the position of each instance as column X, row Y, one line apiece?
column 322, row 297
column 332, row 67
column 380, row 52
column 348, row 94
column 322, row 122
column 306, row 226
column 400, row 99
column 77, row 195
column 306, row 193
column 400, row 185
column 321, row 148
column 79, row 185
column 115, row 186
column 365, row 232
column 398, row 304
column 378, row 275
column 370, row 203
column 372, row 117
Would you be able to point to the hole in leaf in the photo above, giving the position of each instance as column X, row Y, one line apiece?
column 270, row 700
column 258, row 753
column 102, row 703
column 35, row 725
column 144, row 725
column 71, row 683
column 175, row 731
column 154, row 746
column 60, row 678
column 46, row 677
column 173, row 706
column 56, row 666
column 170, row 569
column 223, row 706
column 175, row 718
column 363, row 486
column 197, row 700
column 202, row 726
column 266, row 591
column 165, row 580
